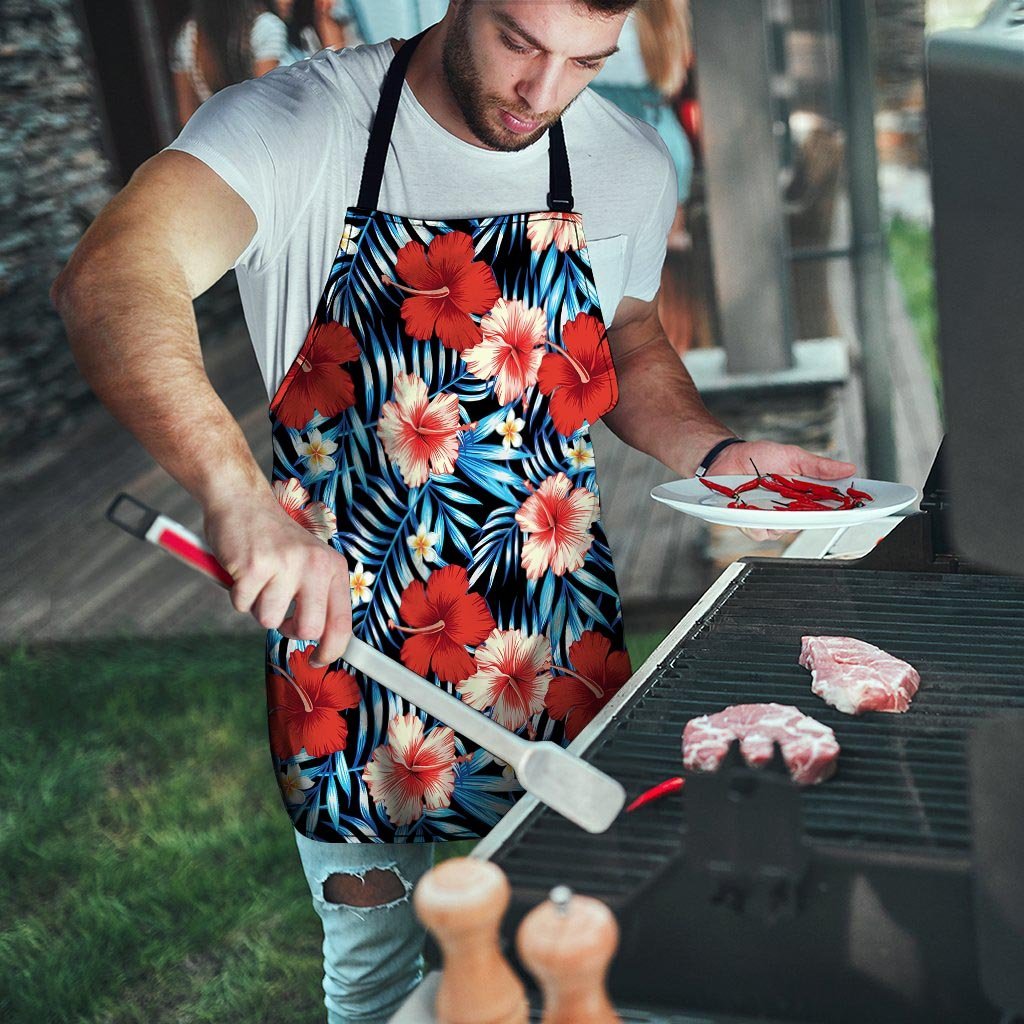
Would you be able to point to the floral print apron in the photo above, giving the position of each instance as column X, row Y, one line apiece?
column 434, row 429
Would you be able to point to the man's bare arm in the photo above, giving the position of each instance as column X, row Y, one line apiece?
column 126, row 300
column 660, row 411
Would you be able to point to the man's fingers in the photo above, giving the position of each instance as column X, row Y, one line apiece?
column 270, row 607
column 307, row 620
column 248, row 586
column 819, row 468
column 338, row 622
column 762, row 535
column 755, row 535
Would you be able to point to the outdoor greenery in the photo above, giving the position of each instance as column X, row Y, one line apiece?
column 150, row 874
column 910, row 248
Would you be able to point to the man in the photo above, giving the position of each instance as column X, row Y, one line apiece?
column 430, row 406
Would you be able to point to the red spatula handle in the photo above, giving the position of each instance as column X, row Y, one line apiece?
column 147, row 524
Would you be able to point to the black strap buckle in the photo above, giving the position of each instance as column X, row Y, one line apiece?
column 560, row 202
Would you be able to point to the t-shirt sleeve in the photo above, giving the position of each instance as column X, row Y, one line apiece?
column 269, row 38
column 649, row 251
column 269, row 140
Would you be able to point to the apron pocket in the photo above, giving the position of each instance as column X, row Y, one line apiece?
column 607, row 261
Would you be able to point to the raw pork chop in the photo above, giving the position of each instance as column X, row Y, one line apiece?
column 855, row 677
column 809, row 748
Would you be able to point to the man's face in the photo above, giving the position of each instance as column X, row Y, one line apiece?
column 513, row 66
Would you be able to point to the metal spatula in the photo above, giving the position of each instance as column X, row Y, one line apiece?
column 568, row 785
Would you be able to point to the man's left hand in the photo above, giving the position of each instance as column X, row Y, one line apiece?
column 771, row 457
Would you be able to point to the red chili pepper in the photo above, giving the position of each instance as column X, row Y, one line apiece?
column 806, row 504
column 795, row 485
column 720, row 488
column 749, row 485
column 657, row 792
column 862, row 495
column 808, row 487
column 787, row 492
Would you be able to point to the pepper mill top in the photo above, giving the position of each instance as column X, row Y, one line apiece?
column 461, row 894
column 567, row 943
column 462, row 902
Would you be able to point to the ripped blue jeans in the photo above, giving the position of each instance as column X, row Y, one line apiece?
column 373, row 955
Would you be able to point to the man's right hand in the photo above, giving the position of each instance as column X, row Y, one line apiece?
column 274, row 561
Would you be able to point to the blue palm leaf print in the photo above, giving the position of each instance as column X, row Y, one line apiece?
column 463, row 519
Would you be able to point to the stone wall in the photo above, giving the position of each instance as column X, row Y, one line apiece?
column 54, row 178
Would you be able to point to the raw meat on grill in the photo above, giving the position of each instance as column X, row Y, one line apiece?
column 809, row 748
column 855, row 677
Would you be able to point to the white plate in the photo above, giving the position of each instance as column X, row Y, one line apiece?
column 693, row 498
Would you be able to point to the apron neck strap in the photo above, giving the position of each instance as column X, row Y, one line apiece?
column 560, row 190
column 560, row 186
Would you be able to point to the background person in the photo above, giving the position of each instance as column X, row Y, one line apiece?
column 223, row 42
column 313, row 25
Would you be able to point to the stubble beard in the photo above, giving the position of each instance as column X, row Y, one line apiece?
column 464, row 82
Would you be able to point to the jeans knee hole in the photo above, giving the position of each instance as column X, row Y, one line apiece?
column 375, row 888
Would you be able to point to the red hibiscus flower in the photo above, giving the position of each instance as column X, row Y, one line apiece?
column 304, row 706
column 558, row 518
column 443, row 617
column 412, row 772
column 316, row 382
column 447, row 285
column 576, row 696
column 579, row 377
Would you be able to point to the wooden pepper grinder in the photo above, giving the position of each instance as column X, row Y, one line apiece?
column 462, row 901
column 567, row 943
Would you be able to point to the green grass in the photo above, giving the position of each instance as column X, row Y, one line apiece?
column 153, row 875
column 149, row 872
column 910, row 248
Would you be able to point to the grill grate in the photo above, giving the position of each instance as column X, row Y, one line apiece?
column 902, row 779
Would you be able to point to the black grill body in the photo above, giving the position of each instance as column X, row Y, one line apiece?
column 846, row 901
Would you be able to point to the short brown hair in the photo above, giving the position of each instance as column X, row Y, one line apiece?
column 609, row 6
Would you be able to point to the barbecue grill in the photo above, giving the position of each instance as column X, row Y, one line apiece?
column 748, row 896
column 893, row 892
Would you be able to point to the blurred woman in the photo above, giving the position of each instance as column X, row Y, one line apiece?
column 647, row 74
column 314, row 24
column 221, row 43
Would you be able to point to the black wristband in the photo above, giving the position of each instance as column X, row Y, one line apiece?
column 705, row 463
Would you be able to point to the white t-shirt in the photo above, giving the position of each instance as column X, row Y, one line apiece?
column 292, row 144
